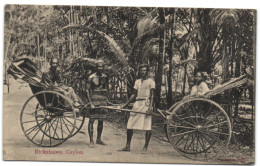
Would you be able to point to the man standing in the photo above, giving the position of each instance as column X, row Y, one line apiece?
column 52, row 78
column 143, row 93
column 97, row 92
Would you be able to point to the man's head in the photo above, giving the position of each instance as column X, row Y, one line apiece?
column 54, row 63
column 143, row 70
column 199, row 77
column 100, row 66
column 191, row 81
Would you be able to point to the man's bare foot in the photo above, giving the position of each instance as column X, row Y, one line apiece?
column 144, row 151
column 91, row 145
column 100, row 142
column 125, row 149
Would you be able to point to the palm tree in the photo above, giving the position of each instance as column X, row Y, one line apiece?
column 158, row 78
column 170, row 54
column 227, row 20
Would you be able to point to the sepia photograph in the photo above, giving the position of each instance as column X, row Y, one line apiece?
column 114, row 84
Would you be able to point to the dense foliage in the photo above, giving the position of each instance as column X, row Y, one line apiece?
column 220, row 41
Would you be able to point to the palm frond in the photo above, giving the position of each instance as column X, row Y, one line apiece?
column 219, row 16
column 120, row 55
column 146, row 24
column 142, row 10
column 148, row 34
column 115, row 48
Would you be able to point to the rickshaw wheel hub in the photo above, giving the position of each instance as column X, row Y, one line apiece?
column 48, row 118
column 199, row 128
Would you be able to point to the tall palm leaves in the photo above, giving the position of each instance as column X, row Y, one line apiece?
column 121, row 60
column 147, row 28
column 233, row 40
column 209, row 28
column 121, row 56
column 227, row 19
column 128, row 36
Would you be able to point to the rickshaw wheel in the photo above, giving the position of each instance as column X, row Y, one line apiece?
column 79, row 124
column 48, row 118
column 198, row 128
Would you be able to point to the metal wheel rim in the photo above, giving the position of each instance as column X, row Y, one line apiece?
column 39, row 127
column 222, row 112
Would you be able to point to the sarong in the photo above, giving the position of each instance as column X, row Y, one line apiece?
column 138, row 121
column 99, row 98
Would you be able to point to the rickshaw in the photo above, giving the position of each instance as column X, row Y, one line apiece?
column 197, row 128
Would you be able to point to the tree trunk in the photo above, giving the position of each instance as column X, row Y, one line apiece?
column 39, row 50
column 169, row 96
column 72, row 43
column 170, row 52
column 204, row 56
column 225, row 70
column 90, row 43
column 184, row 80
column 225, row 62
column 237, row 74
column 6, row 59
column 158, row 77
column 176, row 84
column 238, row 61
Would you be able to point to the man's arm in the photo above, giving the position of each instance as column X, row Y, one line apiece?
column 150, row 110
column 58, row 79
column 46, row 79
column 107, row 85
column 88, row 86
column 131, row 99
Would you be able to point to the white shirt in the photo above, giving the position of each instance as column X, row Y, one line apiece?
column 143, row 87
column 199, row 90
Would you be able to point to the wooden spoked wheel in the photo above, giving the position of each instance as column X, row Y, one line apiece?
column 48, row 118
column 79, row 123
column 199, row 128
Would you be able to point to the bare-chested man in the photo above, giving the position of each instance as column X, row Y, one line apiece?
column 97, row 92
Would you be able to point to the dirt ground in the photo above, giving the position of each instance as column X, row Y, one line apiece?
column 17, row 147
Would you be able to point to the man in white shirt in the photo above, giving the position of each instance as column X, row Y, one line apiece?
column 200, row 88
column 143, row 93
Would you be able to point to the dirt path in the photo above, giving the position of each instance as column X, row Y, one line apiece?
column 18, row 147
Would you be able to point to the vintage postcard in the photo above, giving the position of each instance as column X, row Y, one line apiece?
column 129, row 84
